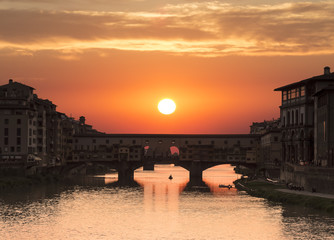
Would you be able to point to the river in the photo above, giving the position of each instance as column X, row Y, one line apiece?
column 157, row 208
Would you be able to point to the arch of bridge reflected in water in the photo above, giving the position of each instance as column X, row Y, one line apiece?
column 159, row 208
column 160, row 189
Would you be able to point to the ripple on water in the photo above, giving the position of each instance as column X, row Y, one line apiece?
column 157, row 209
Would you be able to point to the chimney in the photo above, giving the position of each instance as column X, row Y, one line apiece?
column 82, row 120
column 10, row 81
column 327, row 70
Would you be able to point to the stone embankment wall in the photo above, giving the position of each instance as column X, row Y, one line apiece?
column 311, row 178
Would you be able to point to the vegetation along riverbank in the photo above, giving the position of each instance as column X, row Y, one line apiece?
column 273, row 192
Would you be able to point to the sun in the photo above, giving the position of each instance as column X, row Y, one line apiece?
column 166, row 106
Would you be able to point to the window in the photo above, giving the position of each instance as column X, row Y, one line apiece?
column 302, row 91
column 285, row 95
column 94, row 140
column 199, row 142
column 293, row 93
column 18, row 149
column 186, row 142
column 6, row 131
column 12, row 149
column 18, row 131
column 133, row 141
column 212, row 142
column 121, row 141
column 107, row 141
column 225, row 142
column 276, row 139
column 301, row 118
column 6, row 121
column 18, row 141
column 324, row 131
column 30, row 132
column 6, row 140
column 322, row 101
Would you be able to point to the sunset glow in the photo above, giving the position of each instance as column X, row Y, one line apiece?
column 219, row 61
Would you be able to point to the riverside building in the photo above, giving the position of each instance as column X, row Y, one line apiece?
column 33, row 134
column 307, row 126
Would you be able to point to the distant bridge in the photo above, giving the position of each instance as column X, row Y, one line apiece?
column 194, row 152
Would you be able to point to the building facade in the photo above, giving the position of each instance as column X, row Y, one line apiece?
column 324, row 131
column 297, row 112
column 32, row 133
column 306, row 126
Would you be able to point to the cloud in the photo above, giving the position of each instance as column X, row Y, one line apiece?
column 203, row 28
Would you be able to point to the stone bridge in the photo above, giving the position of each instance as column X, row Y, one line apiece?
column 194, row 152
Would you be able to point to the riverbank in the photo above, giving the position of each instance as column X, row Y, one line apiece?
column 279, row 193
column 9, row 182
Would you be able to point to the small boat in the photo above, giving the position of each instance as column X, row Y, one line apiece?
column 225, row 186
column 170, row 177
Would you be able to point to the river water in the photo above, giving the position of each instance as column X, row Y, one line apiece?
column 157, row 208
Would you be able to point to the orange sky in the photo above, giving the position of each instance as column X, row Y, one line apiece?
column 112, row 61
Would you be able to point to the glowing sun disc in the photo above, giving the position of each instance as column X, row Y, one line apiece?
column 166, row 106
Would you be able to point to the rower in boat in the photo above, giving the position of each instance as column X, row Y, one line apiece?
column 225, row 186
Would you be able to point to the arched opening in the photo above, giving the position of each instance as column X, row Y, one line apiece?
column 220, row 176
column 302, row 146
column 158, row 180
column 174, row 152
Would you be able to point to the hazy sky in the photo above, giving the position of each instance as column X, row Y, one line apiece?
column 113, row 60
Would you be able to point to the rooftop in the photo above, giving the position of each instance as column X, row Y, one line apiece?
column 12, row 83
column 327, row 76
